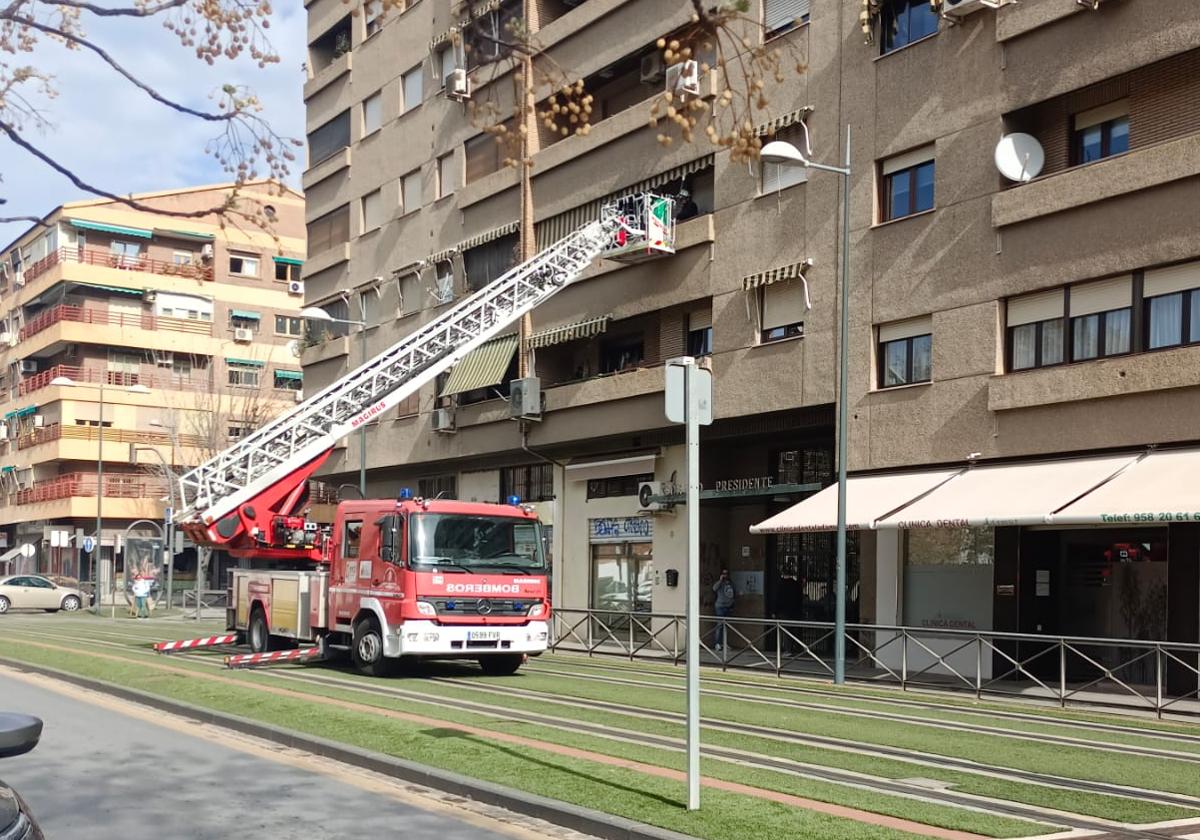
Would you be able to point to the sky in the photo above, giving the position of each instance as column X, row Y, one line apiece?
column 114, row 136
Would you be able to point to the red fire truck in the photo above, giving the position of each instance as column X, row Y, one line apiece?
column 408, row 577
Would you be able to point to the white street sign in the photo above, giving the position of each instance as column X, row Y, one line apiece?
column 676, row 408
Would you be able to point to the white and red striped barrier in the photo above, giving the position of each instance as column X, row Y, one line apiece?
column 189, row 644
column 254, row 660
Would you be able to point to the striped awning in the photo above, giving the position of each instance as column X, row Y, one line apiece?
column 441, row 256
column 774, row 275
column 140, row 233
column 555, row 228
column 782, row 122
column 483, row 367
column 488, row 236
column 580, row 329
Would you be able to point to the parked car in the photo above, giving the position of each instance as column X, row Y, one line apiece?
column 33, row 592
column 18, row 734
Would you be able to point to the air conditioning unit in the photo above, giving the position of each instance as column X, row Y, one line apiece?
column 525, row 398
column 646, row 490
column 29, row 366
column 299, row 396
column 458, row 85
column 206, row 251
column 962, row 8
column 653, row 68
column 243, row 334
column 443, row 420
column 39, row 421
column 296, row 287
column 149, row 295
column 684, row 77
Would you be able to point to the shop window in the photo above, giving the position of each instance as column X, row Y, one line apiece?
column 783, row 306
column 906, row 21
column 622, row 485
column 622, row 353
column 905, row 352
column 1036, row 330
column 1100, row 133
column 1101, row 318
column 351, row 537
column 948, row 578
column 528, row 482
column 329, row 139
column 438, row 487
column 622, row 578
column 486, row 263
column 908, row 184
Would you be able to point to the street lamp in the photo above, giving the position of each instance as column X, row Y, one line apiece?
column 316, row 313
column 67, row 382
column 168, row 524
column 783, row 153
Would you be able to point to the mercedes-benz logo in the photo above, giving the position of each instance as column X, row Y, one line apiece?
column 483, row 607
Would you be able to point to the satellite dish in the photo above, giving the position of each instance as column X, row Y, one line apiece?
column 296, row 348
column 1020, row 157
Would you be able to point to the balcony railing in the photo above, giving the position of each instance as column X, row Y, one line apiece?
column 99, row 256
column 83, row 375
column 73, row 485
column 57, row 431
column 85, row 315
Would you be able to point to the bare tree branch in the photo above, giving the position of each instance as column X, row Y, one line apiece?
column 119, row 11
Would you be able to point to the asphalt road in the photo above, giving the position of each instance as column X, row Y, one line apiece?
column 102, row 773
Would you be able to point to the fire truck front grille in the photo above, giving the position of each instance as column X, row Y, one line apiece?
column 490, row 606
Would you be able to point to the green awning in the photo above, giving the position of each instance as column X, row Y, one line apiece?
column 26, row 411
column 11, row 415
column 141, row 233
column 483, row 367
column 8, row 469
column 288, row 260
column 250, row 362
column 570, row 332
column 121, row 290
column 296, row 375
column 248, row 314
column 185, row 234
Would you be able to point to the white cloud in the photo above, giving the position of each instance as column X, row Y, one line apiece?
column 116, row 137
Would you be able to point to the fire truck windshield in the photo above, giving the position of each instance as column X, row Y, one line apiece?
column 467, row 543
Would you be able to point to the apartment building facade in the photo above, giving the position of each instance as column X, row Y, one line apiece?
column 135, row 344
column 991, row 320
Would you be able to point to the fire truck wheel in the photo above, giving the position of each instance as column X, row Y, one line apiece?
column 367, row 650
column 501, row 664
column 259, row 635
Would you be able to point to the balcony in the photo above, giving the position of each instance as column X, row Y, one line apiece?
column 85, row 485
column 57, row 431
column 112, row 377
column 98, row 256
column 84, row 315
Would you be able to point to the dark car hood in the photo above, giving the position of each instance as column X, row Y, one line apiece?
column 9, row 806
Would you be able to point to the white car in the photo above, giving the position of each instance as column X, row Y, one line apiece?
column 34, row 592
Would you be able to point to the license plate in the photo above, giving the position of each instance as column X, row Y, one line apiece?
column 483, row 635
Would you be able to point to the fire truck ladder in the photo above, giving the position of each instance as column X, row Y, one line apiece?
column 216, row 488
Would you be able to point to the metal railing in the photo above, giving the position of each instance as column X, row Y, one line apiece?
column 91, row 315
column 116, row 486
column 83, row 375
column 1151, row 675
column 57, row 431
column 100, row 256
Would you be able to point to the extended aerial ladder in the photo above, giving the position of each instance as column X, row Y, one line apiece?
column 234, row 499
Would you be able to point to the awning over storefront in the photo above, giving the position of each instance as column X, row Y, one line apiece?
column 1007, row 494
column 586, row 470
column 580, row 329
column 483, row 367
column 1156, row 488
column 868, row 499
column 140, row 233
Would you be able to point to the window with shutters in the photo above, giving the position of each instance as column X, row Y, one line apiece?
column 908, row 182
column 410, row 192
column 1101, row 318
column 372, row 210
column 372, row 113
column 329, row 230
column 1037, row 335
column 485, row 263
column 905, row 352
column 1100, row 132
column 782, row 306
column 778, row 176
column 699, row 332
column 329, row 139
column 1172, row 306
column 483, row 156
column 781, row 16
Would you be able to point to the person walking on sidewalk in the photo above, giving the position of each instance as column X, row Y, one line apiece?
column 725, row 593
column 141, row 593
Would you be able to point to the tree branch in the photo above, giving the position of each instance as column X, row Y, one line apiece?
column 120, row 11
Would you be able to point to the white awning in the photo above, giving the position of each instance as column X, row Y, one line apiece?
column 1007, row 494
column 1160, row 487
column 868, row 498
column 640, row 464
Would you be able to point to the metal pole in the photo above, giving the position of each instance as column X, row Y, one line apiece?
column 99, row 501
column 362, row 430
column 693, row 590
column 839, row 643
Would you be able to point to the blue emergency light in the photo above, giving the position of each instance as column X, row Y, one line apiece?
column 405, row 494
column 515, row 501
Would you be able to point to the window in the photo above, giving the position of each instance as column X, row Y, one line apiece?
column 288, row 325
column 372, row 210
column 783, row 306
column 483, row 156
column 409, row 286
column 445, row 175
column 237, row 431
column 329, row 139
column 182, row 258
column 699, row 337
column 1101, row 318
column 289, row 380
column 529, row 482
column 241, row 319
column 374, row 17
column 444, row 280
column 1100, row 133
column 410, row 83
column 125, row 254
column 905, row 352
column 778, row 176
column 487, row 262
column 372, row 113
column 410, row 192
column 622, row 353
column 1172, row 306
column 622, row 485
column 906, row 21
column 438, row 487
column 329, row 230
column 447, row 62
column 781, row 15
column 286, row 271
column 907, row 184
column 243, row 374
column 1036, row 330
column 351, row 537
column 244, row 265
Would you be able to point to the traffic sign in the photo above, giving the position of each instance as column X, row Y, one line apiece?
column 168, row 515
column 88, row 544
column 676, row 392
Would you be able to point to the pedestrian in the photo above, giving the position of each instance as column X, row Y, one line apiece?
column 726, row 594
column 141, row 593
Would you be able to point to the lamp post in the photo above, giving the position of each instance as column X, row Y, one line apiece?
column 67, row 382
column 783, row 153
column 168, row 526
column 316, row 313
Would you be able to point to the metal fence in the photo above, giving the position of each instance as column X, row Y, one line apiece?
column 1154, row 675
